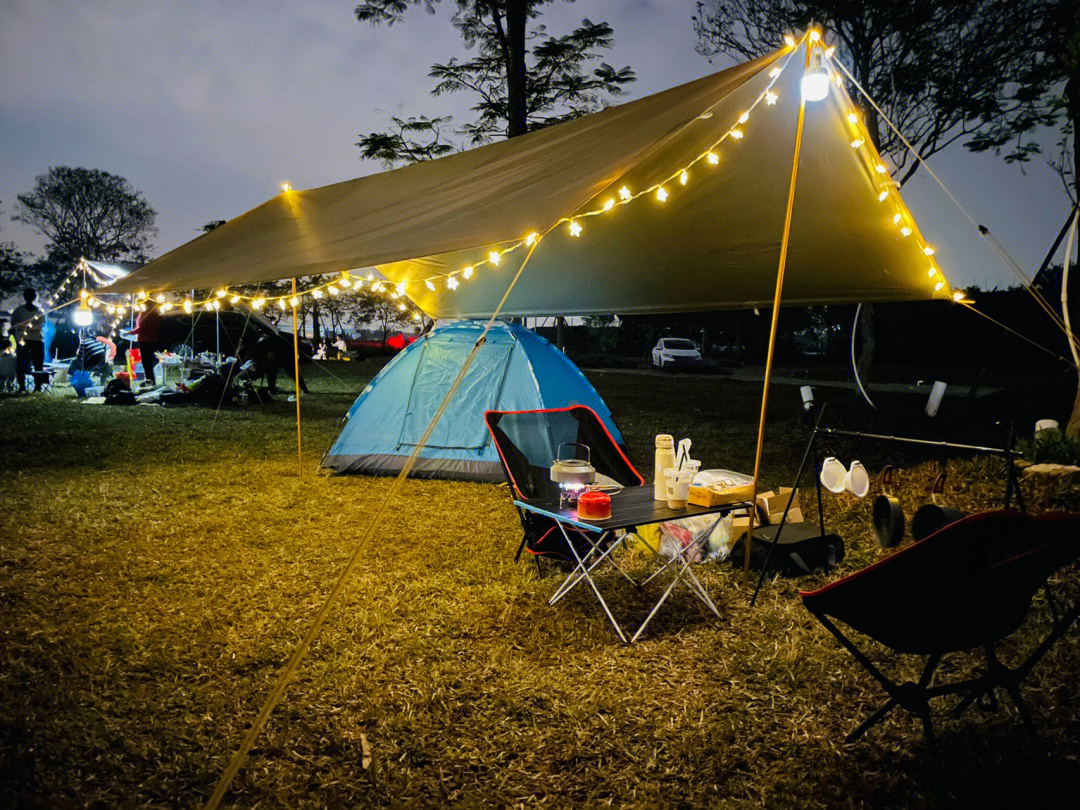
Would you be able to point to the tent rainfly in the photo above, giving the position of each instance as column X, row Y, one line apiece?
column 674, row 202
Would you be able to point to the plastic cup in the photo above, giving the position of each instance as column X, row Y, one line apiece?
column 678, row 487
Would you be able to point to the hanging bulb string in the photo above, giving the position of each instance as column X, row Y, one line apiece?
column 998, row 250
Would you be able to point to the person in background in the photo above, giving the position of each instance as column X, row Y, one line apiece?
column 30, row 350
column 148, row 329
column 92, row 356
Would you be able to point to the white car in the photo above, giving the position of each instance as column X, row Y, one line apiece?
column 673, row 352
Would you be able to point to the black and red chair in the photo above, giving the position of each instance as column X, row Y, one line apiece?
column 966, row 587
column 528, row 443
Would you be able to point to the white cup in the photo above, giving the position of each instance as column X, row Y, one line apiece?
column 678, row 487
column 856, row 480
column 833, row 474
column 1046, row 424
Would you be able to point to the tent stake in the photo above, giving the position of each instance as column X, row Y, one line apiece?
column 772, row 328
column 296, row 382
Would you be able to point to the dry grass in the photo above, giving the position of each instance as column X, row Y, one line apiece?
column 158, row 568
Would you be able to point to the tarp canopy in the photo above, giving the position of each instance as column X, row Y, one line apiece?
column 713, row 244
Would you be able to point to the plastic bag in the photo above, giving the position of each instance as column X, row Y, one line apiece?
column 678, row 535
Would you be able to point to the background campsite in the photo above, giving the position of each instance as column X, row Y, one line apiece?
column 601, row 186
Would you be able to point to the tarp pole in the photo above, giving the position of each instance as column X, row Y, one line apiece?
column 296, row 382
column 772, row 328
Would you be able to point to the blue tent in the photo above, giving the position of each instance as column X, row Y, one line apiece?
column 515, row 370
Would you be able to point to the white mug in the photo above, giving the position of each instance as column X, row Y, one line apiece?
column 856, row 480
column 833, row 474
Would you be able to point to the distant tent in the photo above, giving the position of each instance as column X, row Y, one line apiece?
column 514, row 370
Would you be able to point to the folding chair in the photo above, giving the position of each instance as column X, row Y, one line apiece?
column 966, row 587
column 528, row 443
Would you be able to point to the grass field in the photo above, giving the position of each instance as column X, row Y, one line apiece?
column 158, row 566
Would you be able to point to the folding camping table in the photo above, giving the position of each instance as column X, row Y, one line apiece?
column 631, row 507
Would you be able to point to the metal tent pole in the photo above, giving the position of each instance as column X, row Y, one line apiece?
column 772, row 328
column 296, row 382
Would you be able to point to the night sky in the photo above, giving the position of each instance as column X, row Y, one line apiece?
column 207, row 106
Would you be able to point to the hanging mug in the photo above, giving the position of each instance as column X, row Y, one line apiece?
column 856, row 481
column 833, row 474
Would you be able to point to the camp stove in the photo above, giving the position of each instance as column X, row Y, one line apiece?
column 573, row 475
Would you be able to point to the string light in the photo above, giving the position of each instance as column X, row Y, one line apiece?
column 530, row 240
column 789, row 40
column 451, row 282
column 609, row 203
column 770, row 97
column 258, row 303
column 744, row 118
column 430, row 285
column 220, row 293
column 736, row 133
column 883, row 196
column 467, row 272
column 286, row 187
column 661, row 194
column 494, row 258
column 684, row 177
column 896, row 219
column 855, row 144
column 880, row 168
column 905, row 231
column 624, row 193
column 575, row 228
column 939, row 286
column 958, row 296
column 853, row 118
column 815, row 35
column 712, row 158
column 188, row 305
column 929, row 251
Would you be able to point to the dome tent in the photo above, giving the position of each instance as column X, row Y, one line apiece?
column 515, row 369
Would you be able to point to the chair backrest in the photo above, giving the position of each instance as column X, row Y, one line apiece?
column 528, row 443
column 966, row 586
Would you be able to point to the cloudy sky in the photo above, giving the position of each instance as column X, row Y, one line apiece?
column 206, row 106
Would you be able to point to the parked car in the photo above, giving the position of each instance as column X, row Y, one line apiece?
column 675, row 352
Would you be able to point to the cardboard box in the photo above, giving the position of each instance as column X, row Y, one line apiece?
column 771, row 504
column 739, row 527
column 718, row 496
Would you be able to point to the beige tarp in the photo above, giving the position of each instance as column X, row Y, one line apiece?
column 713, row 244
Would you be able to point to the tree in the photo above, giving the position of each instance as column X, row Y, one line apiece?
column 88, row 213
column 518, row 88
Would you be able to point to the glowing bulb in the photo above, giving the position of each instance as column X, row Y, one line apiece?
column 939, row 286
column 814, row 83
column 430, row 285
column 931, row 272
column 452, row 282
column 774, row 72
column 220, row 293
column 285, row 186
column 294, row 302
column 188, row 305
column 829, row 52
column 929, row 251
column 896, row 219
column 883, row 196
column 401, row 285
column 216, row 305
column 575, row 228
column 166, row 306
column 401, row 307
column 377, row 287
column 84, row 294
column 235, row 299
column 852, row 118
column 905, row 231
column 880, row 168
column 82, row 316
column 530, row 240
column 110, row 309
column 416, row 316
column 770, row 97
column 713, row 158
column 736, row 133
column 855, row 144
column 467, row 272
column 815, row 35
column 684, row 177
column 494, row 258
column 744, row 118
column 258, row 303
column 609, row 203
column 624, row 193
column 789, row 40
column 345, row 283
column 159, row 298
column 661, row 194
column 958, row 296
column 332, row 289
